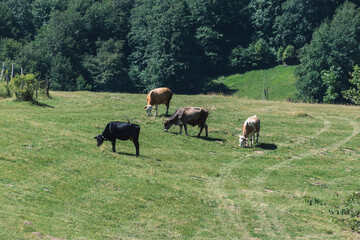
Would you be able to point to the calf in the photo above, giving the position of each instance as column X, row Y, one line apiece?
column 250, row 127
column 122, row 131
column 189, row 115
column 158, row 96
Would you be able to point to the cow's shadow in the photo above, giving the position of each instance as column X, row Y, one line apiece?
column 140, row 156
column 267, row 146
column 210, row 139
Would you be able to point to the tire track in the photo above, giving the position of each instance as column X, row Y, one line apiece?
column 267, row 215
column 228, row 210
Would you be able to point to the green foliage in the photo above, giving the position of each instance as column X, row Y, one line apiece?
column 5, row 91
column 24, row 87
column 280, row 54
column 335, row 44
column 348, row 212
column 6, row 21
column 258, row 55
column 9, row 48
column 330, row 79
column 289, row 55
column 353, row 94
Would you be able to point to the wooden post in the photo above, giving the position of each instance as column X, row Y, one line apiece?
column 12, row 71
column 263, row 91
column 267, row 89
column 2, row 71
column 47, row 87
column 22, row 72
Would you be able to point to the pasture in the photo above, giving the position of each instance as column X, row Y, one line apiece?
column 57, row 184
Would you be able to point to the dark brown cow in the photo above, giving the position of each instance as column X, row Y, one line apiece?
column 189, row 115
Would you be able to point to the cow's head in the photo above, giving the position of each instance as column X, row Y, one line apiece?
column 242, row 140
column 148, row 109
column 167, row 125
column 100, row 139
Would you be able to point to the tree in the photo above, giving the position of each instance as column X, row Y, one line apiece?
column 263, row 15
column 107, row 70
column 335, row 44
column 353, row 94
column 163, row 47
column 299, row 18
column 6, row 23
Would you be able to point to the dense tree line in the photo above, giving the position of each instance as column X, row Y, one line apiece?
column 136, row 45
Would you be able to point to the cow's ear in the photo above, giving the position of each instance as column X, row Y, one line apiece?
column 95, row 137
column 145, row 107
column 180, row 113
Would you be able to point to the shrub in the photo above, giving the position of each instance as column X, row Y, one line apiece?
column 353, row 94
column 289, row 55
column 5, row 90
column 24, row 87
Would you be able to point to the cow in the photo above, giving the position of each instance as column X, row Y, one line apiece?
column 189, row 115
column 158, row 96
column 122, row 131
column 250, row 128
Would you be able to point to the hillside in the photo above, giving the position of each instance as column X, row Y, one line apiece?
column 57, row 184
column 281, row 83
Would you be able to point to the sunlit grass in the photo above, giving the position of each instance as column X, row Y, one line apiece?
column 57, row 183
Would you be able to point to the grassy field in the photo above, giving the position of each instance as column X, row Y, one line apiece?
column 56, row 184
column 281, row 83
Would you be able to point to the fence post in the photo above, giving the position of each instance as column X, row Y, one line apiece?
column 12, row 71
column 2, row 71
column 47, row 87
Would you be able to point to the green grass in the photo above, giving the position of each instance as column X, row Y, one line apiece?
column 55, row 181
column 281, row 83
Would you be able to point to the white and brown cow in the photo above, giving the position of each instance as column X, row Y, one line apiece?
column 250, row 128
column 158, row 96
column 188, row 115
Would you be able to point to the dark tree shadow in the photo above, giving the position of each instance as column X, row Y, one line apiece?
column 37, row 103
column 267, row 146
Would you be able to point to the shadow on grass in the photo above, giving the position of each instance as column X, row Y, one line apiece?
column 140, row 156
column 37, row 103
column 210, row 139
column 202, row 137
column 267, row 146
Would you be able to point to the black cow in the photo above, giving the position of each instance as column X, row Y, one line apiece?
column 189, row 115
column 122, row 131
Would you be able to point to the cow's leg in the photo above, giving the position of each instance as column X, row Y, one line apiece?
column 185, row 127
column 113, row 145
column 201, row 128
column 257, row 137
column 181, row 126
column 156, row 109
column 167, row 109
column 136, row 143
column 206, row 129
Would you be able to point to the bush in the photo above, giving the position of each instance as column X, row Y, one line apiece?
column 5, row 91
column 258, row 55
column 24, row 87
column 289, row 55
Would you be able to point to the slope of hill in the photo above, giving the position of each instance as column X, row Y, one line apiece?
column 280, row 81
column 56, row 183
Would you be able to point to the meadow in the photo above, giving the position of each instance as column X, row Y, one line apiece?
column 57, row 184
column 279, row 80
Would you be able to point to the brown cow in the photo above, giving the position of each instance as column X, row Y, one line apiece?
column 250, row 127
column 189, row 115
column 158, row 96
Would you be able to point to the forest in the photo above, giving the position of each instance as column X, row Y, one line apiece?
column 136, row 45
